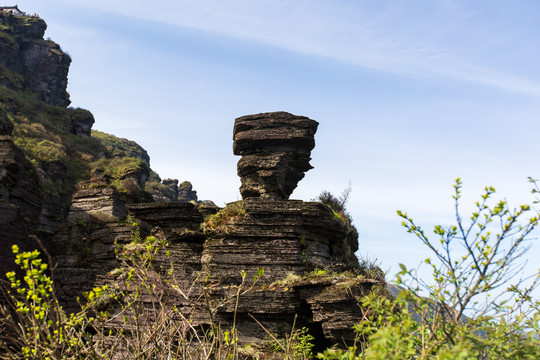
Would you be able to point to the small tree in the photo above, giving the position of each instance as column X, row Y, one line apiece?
column 477, row 305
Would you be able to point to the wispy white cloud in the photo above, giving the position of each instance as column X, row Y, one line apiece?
column 397, row 38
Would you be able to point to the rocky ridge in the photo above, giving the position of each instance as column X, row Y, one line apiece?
column 311, row 276
column 47, row 148
column 37, row 64
column 93, row 200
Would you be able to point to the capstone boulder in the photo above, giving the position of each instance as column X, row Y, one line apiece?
column 275, row 149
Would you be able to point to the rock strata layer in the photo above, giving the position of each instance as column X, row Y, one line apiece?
column 275, row 149
column 283, row 237
column 207, row 256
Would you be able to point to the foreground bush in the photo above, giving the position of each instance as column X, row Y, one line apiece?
column 478, row 304
column 115, row 322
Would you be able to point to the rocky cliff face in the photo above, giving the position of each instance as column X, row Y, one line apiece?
column 41, row 64
column 96, row 204
column 311, row 275
column 46, row 148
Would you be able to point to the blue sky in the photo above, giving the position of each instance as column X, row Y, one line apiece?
column 409, row 94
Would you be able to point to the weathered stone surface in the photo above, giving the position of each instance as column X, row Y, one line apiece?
column 85, row 248
column 32, row 28
column 81, row 122
column 42, row 63
column 280, row 236
column 19, row 183
column 182, row 192
column 83, row 252
column 171, row 221
column 47, row 67
column 96, row 197
column 13, row 231
column 333, row 303
column 186, row 192
column 275, row 149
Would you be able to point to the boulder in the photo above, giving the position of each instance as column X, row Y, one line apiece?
column 275, row 149
column 81, row 122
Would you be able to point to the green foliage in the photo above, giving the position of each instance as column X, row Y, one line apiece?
column 316, row 273
column 302, row 343
column 221, row 220
column 118, row 168
column 44, row 134
column 371, row 269
column 8, row 77
column 120, row 147
column 34, row 324
column 338, row 206
column 297, row 345
column 157, row 189
column 346, row 278
column 476, row 306
column 336, row 203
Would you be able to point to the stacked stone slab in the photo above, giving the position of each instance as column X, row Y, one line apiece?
column 211, row 249
column 285, row 237
column 275, row 149
column 282, row 237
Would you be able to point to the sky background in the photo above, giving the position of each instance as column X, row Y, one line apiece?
column 409, row 94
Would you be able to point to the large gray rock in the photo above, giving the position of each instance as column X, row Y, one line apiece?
column 275, row 149
column 41, row 63
column 81, row 122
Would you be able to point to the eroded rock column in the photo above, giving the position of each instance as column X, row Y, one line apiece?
column 275, row 149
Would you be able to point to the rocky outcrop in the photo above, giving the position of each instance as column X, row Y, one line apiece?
column 85, row 248
column 275, row 149
column 200, row 272
column 96, row 197
column 90, row 198
column 283, row 237
column 169, row 190
column 46, row 68
column 41, row 63
column 310, row 275
column 288, row 239
column 186, row 192
column 81, row 122
column 19, row 183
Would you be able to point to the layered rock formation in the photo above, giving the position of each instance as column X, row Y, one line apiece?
column 46, row 148
column 275, row 149
column 311, row 275
column 41, row 64
column 292, row 241
column 93, row 200
column 20, row 198
column 182, row 192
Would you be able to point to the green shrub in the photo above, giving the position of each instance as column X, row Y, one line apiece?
column 474, row 307
column 149, row 323
column 120, row 147
column 34, row 324
column 221, row 220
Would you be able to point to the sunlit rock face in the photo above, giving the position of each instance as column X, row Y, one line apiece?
column 275, row 149
column 37, row 64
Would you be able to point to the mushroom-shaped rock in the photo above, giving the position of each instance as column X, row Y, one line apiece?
column 275, row 149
